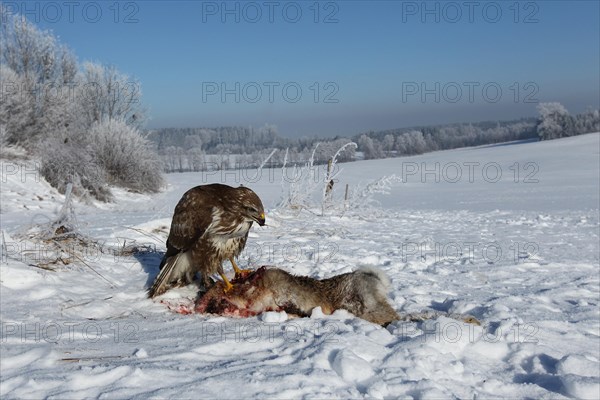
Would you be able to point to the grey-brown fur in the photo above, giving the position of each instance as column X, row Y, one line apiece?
column 362, row 292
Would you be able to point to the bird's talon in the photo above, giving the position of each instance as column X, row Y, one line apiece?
column 239, row 273
column 228, row 287
column 242, row 273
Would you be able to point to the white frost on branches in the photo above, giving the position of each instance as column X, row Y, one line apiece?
column 82, row 121
column 362, row 197
column 301, row 190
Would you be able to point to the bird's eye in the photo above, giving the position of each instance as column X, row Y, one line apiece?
column 252, row 209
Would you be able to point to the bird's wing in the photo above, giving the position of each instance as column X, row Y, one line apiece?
column 193, row 216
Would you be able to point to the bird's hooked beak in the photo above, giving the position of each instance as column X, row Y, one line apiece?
column 261, row 219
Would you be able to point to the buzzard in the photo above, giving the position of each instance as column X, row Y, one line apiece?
column 210, row 225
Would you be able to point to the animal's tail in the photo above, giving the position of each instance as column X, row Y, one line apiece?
column 371, row 286
column 172, row 269
column 382, row 280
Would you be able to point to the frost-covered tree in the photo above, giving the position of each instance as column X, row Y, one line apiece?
column 81, row 122
column 170, row 159
column 105, row 93
column 267, row 132
column 195, row 157
column 555, row 121
column 588, row 122
column 30, row 52
column 37, row 78
column 400, row 145
column 16, row 108
column 416, row 142
column 370, row 148
column 388, row 142
column 327, row 149
column 431, row 143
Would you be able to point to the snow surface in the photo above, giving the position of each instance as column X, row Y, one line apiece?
column 521, row 254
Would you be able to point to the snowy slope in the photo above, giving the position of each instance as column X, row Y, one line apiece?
column 520, row 252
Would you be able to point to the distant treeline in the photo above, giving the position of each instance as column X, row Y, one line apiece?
column 418, row 140
column 200, row 149
column 196, row 149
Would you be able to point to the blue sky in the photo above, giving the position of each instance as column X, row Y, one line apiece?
column 339, row 68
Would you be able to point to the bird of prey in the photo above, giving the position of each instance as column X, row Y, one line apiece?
column 210, row 224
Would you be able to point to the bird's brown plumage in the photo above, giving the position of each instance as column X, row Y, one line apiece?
column 210, row 224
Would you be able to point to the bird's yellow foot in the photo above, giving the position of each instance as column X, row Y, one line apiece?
column 228, row 285
column 239, row 273
column 242, row 273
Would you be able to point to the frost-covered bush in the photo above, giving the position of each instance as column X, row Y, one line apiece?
column 69, row 160
column 81, row 121
column 362, row 197
column 310, row 187
column 127, row 157
column 300, row 184
column 109, row 153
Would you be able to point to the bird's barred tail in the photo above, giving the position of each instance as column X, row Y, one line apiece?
column 167, row 274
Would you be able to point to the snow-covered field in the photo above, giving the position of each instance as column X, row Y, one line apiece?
column 506, row 233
